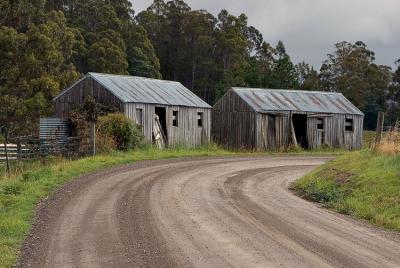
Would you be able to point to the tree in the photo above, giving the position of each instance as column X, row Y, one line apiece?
column 393, row 100
column 284, row 74
column 308, row 77
column 33, row 70
column 47, row 44
column 21, row 14
column 107, row 29
column 351, row 70
column 104, row 56
column 141, row 57
column 232, row 50
column 199, row 42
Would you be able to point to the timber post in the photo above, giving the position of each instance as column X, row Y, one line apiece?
column 379, row 127
column 19, row 151
column 292, row 133
column 7, row 160
column 93, row 137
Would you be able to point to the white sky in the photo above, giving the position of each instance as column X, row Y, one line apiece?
column 310, row 28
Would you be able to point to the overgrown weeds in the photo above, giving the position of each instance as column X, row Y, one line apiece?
column 390, row 143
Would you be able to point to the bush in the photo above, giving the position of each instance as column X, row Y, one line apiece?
column 124, row 132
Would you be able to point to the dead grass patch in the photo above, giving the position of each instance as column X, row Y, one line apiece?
column 390, row 143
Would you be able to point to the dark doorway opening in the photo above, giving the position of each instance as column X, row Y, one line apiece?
column 161, row 112
column 300, row 128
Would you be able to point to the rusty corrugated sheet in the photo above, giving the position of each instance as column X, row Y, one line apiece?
column 273, row 100
column 131, row 89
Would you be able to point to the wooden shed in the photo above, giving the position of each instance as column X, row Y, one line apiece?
column 184, row 118
column 269, row 119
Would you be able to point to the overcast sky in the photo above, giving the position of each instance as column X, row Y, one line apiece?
column 310, row 28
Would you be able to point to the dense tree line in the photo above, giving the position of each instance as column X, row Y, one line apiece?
column 46, row 45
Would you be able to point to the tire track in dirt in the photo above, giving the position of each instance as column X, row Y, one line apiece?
column 207, row 212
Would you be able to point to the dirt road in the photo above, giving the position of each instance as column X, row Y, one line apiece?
column 232, row 212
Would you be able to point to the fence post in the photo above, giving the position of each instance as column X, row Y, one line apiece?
column 7, row 160
column 93, row 136
column 379, row 127
column 19, row 151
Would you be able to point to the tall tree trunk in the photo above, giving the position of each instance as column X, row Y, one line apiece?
column 193, row 66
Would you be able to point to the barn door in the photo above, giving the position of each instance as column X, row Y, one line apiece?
column 300, row 128
column 160, row 127
column 158, row 133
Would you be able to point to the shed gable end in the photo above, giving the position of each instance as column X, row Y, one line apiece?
column 75, row 96
column 232, row 102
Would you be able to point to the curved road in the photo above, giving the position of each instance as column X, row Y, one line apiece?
column 218, row 212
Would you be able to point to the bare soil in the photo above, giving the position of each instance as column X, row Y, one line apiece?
column 208, row 212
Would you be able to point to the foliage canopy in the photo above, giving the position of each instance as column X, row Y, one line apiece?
column 47, row 45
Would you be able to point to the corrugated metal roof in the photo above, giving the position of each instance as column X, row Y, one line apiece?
column 270, row 100
column 146, row 90
column 132, row 89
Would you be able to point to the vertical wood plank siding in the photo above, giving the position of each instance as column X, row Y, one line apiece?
column 236, row 125
column 334, row 133
column 76, row 96
column 187, row 133
column 272, row 131
column 148, row 117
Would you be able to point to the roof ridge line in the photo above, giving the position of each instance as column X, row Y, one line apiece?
column 287, row 90
column 132, row 76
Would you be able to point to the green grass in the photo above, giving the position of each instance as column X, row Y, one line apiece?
column 362, row 184
column 20, row 193
column 368, row 139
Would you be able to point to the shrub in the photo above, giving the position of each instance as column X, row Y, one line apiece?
column 124, row 132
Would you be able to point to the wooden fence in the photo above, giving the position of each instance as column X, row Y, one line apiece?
column 23, row 148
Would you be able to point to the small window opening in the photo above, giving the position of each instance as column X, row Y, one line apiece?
column 349, row 126
column 174, row 118
column 320, row 123
column 139, row 116
column 200, row 119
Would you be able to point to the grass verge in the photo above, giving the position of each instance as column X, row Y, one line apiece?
column 20, row 194
column 363, row 184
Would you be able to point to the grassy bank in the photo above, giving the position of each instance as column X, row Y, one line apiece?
column 363, row 184
column 20, row 193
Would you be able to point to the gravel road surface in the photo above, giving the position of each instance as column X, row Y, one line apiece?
column 204, row 212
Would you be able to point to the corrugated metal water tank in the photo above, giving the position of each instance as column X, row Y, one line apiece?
column 53, row 131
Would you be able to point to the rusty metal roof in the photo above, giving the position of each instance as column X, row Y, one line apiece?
column 132, row 89
column 273, row 100
column 146, row 90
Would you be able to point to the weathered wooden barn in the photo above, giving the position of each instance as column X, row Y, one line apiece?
column 184, row 118
column 265, row 119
